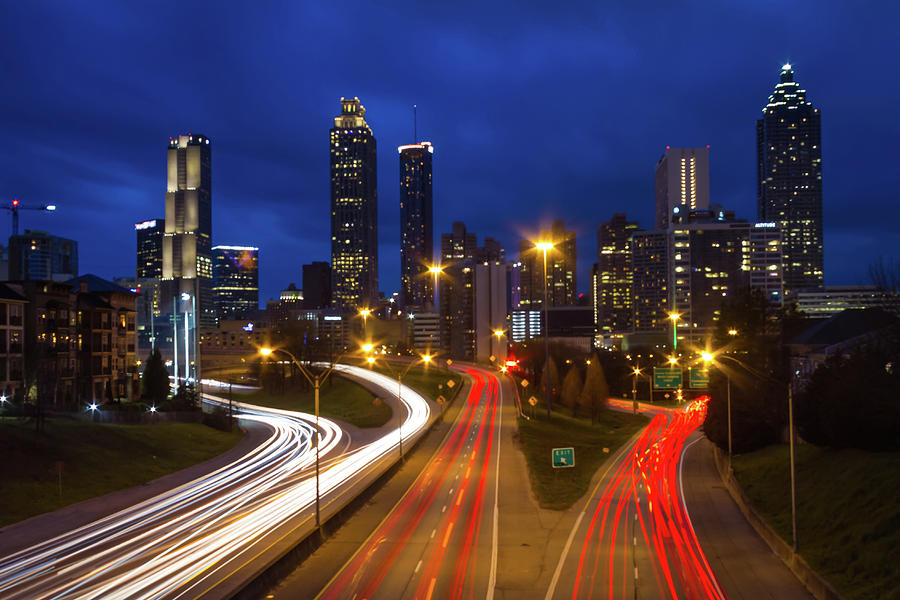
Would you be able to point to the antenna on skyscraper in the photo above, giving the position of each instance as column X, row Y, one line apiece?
column 415, row 131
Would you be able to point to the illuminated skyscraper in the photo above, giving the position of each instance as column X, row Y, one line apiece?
column 235, row 281
column 682, row 183
column 354, row 209
column 613, row 295
column 416, row 225
column 187, row 241
column 149, row 248
column 789, row 171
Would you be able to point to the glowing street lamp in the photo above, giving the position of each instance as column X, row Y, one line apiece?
column 545, row 247
column 435, row 270
column 634, row 401
column 316, row 381
column 674, row 317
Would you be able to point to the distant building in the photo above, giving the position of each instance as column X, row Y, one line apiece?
column 831, row 300
column 39, row 256
column 187, row 241
column 354, row 209
column 425, row 330
column 416, row 225
column 150, row 248
column 614, row 274
column 570, row 325
column 490, row 309
column 288, row 307
column 650, row 280
column 12, row 342
column 316, row 285
column 561, row 269
column 235, row 281
column 789, row 173
column 682, row 182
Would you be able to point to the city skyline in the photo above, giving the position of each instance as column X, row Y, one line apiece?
column 285, row 183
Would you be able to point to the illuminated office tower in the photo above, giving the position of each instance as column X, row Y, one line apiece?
column 650, row 278
column 789, row 172
column 416, row 225
column 187, row 241
column 149, row 248
column 354, row 209
column 613, row 294
column 236, row 281
column 682, row 183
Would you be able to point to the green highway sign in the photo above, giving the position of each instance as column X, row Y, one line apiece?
column 563, row 457
column 665, row 378
column 699, row 378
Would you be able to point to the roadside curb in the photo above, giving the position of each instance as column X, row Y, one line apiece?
column 814, row 583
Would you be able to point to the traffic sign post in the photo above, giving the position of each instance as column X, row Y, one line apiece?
column 563, row 458
column 699, row 378
column 665, row 378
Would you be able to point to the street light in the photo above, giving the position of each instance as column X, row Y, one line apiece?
column 635, row 374
column 316, row 381
column 425, row 358
column 674, row 316
column 498, row 333
column 435, row 270
column 364, row 313
column 545, row 247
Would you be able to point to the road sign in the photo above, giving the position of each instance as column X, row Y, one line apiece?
column 699, row 378
column 524, row 383
column 450, row 383
column 441, row 399
column 563, row 458
column 533, row 401
column 667, row 378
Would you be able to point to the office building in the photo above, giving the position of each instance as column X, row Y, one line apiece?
column 613, row 296
column 289, row 307
column 490, row 306
column 235, row 281
column 457, row 245
column 316, row 285
column 416, row 225
column 354, row 209
column 833, row 299
column 789, row 172
column 150, row 248
column 682, row 183
column 650, row 280
column 187, row 241
column 561, row 269
column 12, row 340
column 39, row 256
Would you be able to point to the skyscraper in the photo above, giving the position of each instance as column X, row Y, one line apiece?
column 682, row 182
column 650, row 276
column 149, row 248
column 561, row 268
column 316, row 285
column 235, row 281
column 416, row 225
column 614, row 275
column 39, row 256
column 187, row 242
column 789, row 172
column 354, row 209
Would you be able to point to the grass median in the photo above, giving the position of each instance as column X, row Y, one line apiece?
column 71, row 461
column 339, row 398
column 847, row 507
column 559, row 489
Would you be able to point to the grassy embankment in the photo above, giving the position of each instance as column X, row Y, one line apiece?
column 95, row 460
column 848, row 512
column 559, row 489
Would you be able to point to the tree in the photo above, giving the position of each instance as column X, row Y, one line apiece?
column 554, row 379
column 571, row 388
column 595, row 393
column 155, row 380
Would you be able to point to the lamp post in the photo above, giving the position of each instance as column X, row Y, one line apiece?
column 674, row 316
column 364, row 313
column 316, row 380
column 435, row 270
column 544, row 247
column 635, row 374
column 498, row 333
column 426, row 358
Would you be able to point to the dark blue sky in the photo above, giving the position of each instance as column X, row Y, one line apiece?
column 536, row 113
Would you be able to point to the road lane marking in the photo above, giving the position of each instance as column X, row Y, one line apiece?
column 418, row 565
column 433, row 531
column 430, row 589
column 444, row 509
column 447, row 535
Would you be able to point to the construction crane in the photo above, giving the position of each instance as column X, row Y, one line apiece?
column 15, row 206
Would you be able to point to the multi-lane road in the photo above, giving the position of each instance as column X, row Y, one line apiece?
column 440, row 540
column 193, row 539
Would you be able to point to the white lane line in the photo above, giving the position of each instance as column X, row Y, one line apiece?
column 418, row 566
column 495, row 534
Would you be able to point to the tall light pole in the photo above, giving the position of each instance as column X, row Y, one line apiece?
column 435, row 270
column 498, row 333
column 425, row 358
column 364, row 313
column 674, row 316
column 635, row 374
column 544, row 247
column 187, row 341
column 316, row 381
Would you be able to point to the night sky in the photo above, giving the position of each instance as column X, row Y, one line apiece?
column 535, row 114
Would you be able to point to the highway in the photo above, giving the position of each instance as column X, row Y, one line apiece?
column 635, row 537
column 192, row 539
column 440, row 539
